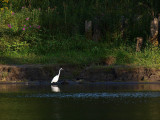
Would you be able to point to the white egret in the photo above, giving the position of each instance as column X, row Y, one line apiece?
column 56, row 78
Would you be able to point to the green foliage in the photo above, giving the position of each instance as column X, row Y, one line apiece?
column 3, row 3
column 68, row 16
column 52, row 31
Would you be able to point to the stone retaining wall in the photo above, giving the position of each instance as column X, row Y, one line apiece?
column 72, row 72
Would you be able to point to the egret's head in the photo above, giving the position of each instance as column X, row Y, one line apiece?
column 61, row 68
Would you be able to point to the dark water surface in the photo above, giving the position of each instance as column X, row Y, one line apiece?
column 80, row 102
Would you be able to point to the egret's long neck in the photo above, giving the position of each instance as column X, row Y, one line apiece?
column 59, row 72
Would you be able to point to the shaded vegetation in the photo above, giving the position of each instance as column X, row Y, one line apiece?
column 52, row 31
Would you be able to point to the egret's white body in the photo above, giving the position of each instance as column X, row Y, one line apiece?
column 56, row 78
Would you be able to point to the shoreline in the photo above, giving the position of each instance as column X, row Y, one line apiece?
column 76, row 83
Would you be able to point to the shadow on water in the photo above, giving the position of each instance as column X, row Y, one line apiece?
column 111, row 87
column 80, row 102
column 84, row 90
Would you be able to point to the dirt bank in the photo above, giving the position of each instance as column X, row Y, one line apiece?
column 18, row 73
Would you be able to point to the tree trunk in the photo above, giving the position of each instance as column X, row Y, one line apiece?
column 158, row 29
column 96, row 29
column 88, row 29
column 154, row 28
column 139, row 44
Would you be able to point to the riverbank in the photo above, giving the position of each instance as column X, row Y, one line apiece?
column 79, row 74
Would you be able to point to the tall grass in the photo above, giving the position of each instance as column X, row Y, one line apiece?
column 69, row 16
column 52, row 31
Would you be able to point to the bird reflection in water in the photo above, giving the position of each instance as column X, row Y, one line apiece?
column 55, row 88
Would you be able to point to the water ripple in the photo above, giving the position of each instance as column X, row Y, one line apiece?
column 96, row 95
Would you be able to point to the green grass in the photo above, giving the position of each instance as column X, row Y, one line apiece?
column 89, row 56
